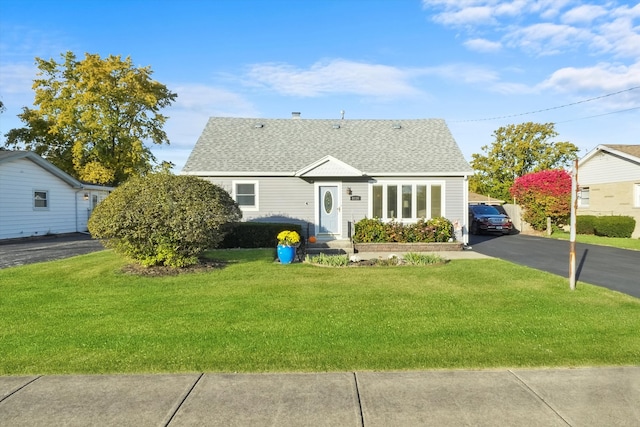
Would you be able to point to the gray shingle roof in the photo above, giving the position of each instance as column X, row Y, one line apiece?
column 633, row 150
column 284, row 146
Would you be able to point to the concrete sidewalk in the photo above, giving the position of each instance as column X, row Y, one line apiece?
column 517, row 397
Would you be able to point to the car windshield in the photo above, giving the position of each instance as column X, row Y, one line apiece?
column 485, row 210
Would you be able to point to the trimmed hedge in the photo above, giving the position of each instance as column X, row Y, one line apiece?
column 615, row 226
column 585, row 224
column 375, row 231
column 606, row 226
column 256, row 234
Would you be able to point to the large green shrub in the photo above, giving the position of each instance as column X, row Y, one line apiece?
column 585, row 224
column 164, row 219
column 614, row 226
column 256, row 234
column 438, row 229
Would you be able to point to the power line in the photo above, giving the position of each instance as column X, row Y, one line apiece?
column 555, row 108
column 599, row 115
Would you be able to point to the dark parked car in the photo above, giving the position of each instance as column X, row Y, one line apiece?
column 486, row 218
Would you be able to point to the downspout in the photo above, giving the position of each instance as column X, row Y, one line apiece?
column 76, row 207
column 465, row 210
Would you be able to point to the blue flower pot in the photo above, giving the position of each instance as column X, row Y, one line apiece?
column 286, row 254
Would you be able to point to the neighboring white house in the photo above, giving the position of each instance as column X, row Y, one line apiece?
column 37, row 198
column 328, row 174
column 609, row 180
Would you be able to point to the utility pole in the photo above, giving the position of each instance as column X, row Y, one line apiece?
column 572, row 233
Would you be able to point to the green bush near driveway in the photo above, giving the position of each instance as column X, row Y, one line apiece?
column 614, row 226
column 585, row 224
column 84, row 315
column 606, row 226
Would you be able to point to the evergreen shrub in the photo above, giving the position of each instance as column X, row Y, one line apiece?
column 585, row 224
column 256, row 234
column 614, row 226
column 164, row 219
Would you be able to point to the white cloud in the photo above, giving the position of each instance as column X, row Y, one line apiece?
column 547, row 38
column 469, row 15
column 16, row 78
column 602, row 78
column 193, row 107
column 335, row 76
column 483, row 45
column 619, row 37
column 209, row 99
column 507, row 88
column 583, row 14
column 464, row 73
column 546, row 27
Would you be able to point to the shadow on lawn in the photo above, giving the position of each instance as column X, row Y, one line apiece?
column 203, row 266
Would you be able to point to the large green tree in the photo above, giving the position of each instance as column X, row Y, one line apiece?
column 518, row 150
column 94, row 117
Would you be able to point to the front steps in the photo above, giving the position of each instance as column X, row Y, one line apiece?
column 330, row 247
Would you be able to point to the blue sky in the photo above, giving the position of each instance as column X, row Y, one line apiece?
column 479, row 64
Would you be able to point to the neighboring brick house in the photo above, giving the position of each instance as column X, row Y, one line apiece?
column 609, row 182
column 328, row 174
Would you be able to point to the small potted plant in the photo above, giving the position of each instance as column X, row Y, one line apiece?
column 287, row 242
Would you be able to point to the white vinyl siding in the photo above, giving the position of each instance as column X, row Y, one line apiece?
column 407, row 201
column 245, row 193
column 294, row 200
column 605, row 168
column 22, row 206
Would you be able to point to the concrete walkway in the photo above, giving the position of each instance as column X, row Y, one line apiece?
column 516, row 397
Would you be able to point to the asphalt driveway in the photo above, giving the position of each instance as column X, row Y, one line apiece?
column 46, row 248
column 612, row 268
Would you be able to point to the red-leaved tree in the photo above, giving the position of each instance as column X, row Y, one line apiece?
column 544, row 194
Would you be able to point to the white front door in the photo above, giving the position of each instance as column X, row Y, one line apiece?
column 329, row 209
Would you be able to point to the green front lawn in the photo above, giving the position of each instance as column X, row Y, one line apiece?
column 617, row 242
column 83, row 315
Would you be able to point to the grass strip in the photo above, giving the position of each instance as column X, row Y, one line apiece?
column 617, row 242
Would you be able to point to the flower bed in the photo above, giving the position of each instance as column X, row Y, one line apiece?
column 406, row 247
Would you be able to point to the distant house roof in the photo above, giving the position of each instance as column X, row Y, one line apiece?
column 629, row 152
column 295, row 147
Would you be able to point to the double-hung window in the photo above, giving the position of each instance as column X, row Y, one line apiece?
column 636, row 195
column 406, row 200
column 245, row 193
column 41, row 199
column 584, row 196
